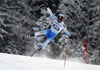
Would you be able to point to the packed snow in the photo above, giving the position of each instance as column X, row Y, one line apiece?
column 18, row 62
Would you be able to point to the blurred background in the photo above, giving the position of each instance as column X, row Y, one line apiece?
column 82, row 18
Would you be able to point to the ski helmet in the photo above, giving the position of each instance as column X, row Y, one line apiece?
column 60, row 16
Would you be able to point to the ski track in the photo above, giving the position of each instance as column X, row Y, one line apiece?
column 17, row 62
column 9, row 65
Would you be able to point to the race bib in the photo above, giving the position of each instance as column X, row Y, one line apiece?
column 56, row 27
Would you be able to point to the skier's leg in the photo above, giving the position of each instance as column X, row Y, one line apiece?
column 45, row 43
column 40, row 32
column 51, row 35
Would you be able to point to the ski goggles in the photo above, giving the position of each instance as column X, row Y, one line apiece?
column 60, row 17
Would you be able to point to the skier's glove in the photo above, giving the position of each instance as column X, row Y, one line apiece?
column 70, row 37
column 30, row 35
column 46, row 4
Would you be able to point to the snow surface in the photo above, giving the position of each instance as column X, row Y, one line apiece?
column 17, row 62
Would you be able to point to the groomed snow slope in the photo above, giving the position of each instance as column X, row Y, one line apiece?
column 17, row 62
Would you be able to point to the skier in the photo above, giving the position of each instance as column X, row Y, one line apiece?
column 57, row 26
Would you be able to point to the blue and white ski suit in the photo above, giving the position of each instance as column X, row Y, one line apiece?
column 55, row 29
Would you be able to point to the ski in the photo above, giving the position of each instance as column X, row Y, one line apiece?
column 36, row 51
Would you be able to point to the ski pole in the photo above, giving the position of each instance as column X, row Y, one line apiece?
column 37, row 7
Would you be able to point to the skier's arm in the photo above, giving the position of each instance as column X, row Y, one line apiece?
column 50, row 12
column 66, row 31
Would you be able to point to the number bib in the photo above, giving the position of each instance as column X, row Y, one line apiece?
column 57, row 27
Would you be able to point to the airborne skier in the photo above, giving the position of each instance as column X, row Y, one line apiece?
column 57, row 26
